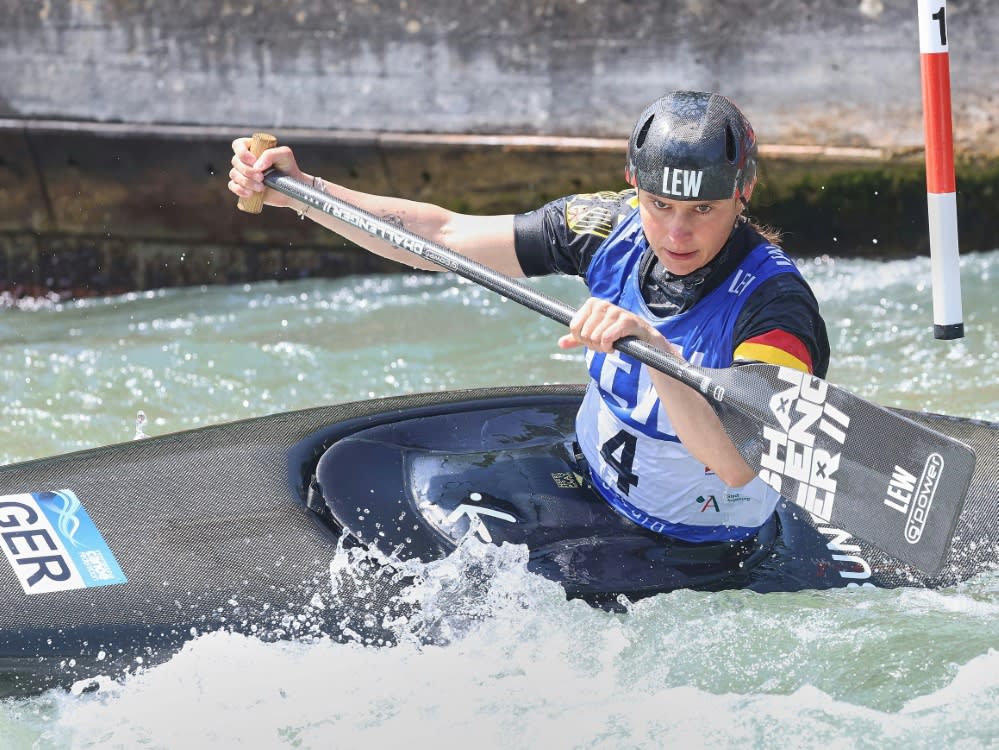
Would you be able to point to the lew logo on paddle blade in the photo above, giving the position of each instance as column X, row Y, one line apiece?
column 913, row 498
column 805, row 451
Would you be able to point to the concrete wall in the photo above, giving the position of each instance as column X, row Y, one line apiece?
column 115, row 117
column 806, row 71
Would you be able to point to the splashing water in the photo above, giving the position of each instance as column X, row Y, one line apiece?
column 481, row 648
column 140, row 423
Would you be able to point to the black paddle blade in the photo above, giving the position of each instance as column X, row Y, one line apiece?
column 850, row 463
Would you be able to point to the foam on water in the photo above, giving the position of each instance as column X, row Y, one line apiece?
column 506, row 661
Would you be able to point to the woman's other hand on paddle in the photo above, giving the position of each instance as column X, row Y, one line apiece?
column 247, row 174
column 597, row 324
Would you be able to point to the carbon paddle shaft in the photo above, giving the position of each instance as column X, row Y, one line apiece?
column 852, row 464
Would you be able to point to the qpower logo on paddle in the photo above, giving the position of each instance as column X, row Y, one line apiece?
column 793, row 452
column 52, row 544
column 912, row 498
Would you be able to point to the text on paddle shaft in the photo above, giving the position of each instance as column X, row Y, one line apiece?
column 793, row 453
column 395, row 236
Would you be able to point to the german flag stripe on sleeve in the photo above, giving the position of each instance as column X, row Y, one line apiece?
column 776, row 348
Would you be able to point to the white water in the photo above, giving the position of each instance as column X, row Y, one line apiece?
column 516, row 664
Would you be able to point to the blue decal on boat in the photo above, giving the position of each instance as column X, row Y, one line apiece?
column 53, row 545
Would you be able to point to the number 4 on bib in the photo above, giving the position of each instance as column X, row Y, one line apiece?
column 619, row 453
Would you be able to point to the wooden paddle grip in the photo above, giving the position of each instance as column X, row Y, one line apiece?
column 255, row 203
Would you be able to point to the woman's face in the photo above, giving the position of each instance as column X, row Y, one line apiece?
column 686, row 235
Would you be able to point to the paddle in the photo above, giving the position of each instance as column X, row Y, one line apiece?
column 850, row 463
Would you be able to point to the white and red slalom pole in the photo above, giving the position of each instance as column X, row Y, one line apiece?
column 941, row 189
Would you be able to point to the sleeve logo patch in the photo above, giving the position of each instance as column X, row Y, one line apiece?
column 592, row 213
column 52, row 544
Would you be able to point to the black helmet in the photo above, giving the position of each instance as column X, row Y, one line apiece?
column 690, row 145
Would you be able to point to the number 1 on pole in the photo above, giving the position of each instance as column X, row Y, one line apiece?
column 941, row 189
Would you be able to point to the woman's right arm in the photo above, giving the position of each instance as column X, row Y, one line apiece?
column 486, row 239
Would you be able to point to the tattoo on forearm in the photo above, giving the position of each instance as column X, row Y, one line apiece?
column 394, row 220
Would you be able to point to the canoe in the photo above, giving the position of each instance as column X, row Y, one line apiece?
column 117, row 556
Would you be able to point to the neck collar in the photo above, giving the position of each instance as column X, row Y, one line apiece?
column 669, row 294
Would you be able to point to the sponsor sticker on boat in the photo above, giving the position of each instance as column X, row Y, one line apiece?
column 52, row 544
